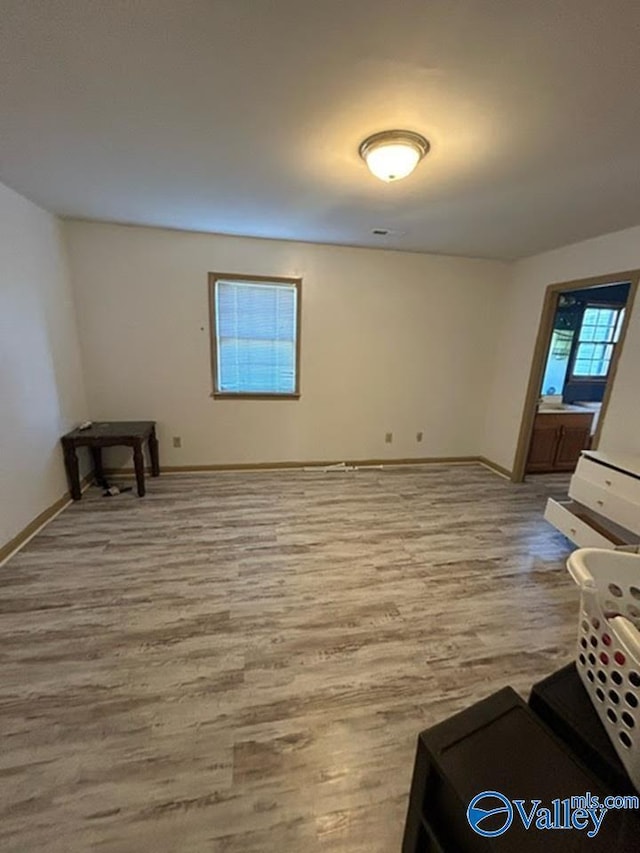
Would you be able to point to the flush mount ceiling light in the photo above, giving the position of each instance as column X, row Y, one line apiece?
column 393, row 154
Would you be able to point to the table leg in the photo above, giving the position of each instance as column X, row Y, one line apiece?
column 138, row 463
column 98, row 470
column 73, row 472
column 415, row 839
column 153, row 453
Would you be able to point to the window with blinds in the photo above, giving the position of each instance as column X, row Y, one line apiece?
column 599, row 333
column 255, row 336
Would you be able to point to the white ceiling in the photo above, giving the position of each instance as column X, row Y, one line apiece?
column 244, row 116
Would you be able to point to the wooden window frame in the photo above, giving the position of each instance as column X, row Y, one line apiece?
column 591, row 379
column 251, row 279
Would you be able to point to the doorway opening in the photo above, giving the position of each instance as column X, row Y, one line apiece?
column 580, row 340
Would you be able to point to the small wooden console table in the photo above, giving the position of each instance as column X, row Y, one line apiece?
column 98, row 435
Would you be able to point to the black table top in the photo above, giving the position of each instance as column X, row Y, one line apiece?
column 112, row 429
column 499, row 744
column 563, row 703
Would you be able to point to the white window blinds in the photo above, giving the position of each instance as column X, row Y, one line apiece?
column 256, row 337
column 599, row 332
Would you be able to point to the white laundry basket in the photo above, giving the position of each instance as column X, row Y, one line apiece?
column 608, row 658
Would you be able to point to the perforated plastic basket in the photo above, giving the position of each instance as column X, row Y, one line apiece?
column 608, row 658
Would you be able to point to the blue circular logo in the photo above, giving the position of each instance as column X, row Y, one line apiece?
column 483, row 809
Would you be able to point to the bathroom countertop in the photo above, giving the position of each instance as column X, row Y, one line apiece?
column 563, row 410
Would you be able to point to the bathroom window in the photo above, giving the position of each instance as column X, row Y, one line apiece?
column 597, row 338
column 255, row 336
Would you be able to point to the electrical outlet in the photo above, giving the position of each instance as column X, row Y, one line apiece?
column 418, row 436
column 388, row 437
column 177, row 441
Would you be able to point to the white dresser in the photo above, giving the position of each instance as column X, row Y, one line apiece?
column 603, row 510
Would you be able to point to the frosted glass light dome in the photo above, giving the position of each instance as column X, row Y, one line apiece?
column 393, row 154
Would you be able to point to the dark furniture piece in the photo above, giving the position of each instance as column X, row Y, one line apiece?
column 557, row 440
column 499, row 744
column 564, row 705
column 114, row 433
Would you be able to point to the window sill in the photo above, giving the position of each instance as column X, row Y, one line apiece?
column 222, row 395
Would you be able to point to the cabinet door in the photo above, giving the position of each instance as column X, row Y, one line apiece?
column 544, row 444
column 573, row 440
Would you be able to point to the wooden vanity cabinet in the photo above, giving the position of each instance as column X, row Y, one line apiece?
column 557, row 441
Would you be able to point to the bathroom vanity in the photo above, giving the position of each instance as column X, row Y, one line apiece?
column 559, row 435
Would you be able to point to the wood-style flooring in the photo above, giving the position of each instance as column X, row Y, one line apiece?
column 241, row 662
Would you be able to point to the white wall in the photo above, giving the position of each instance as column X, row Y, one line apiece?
column 390, row 342
column 41, row 385
column 520, row 319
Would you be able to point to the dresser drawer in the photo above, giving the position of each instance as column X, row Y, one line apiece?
column 605, row 502
column 624, row 485
column 576, row 529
